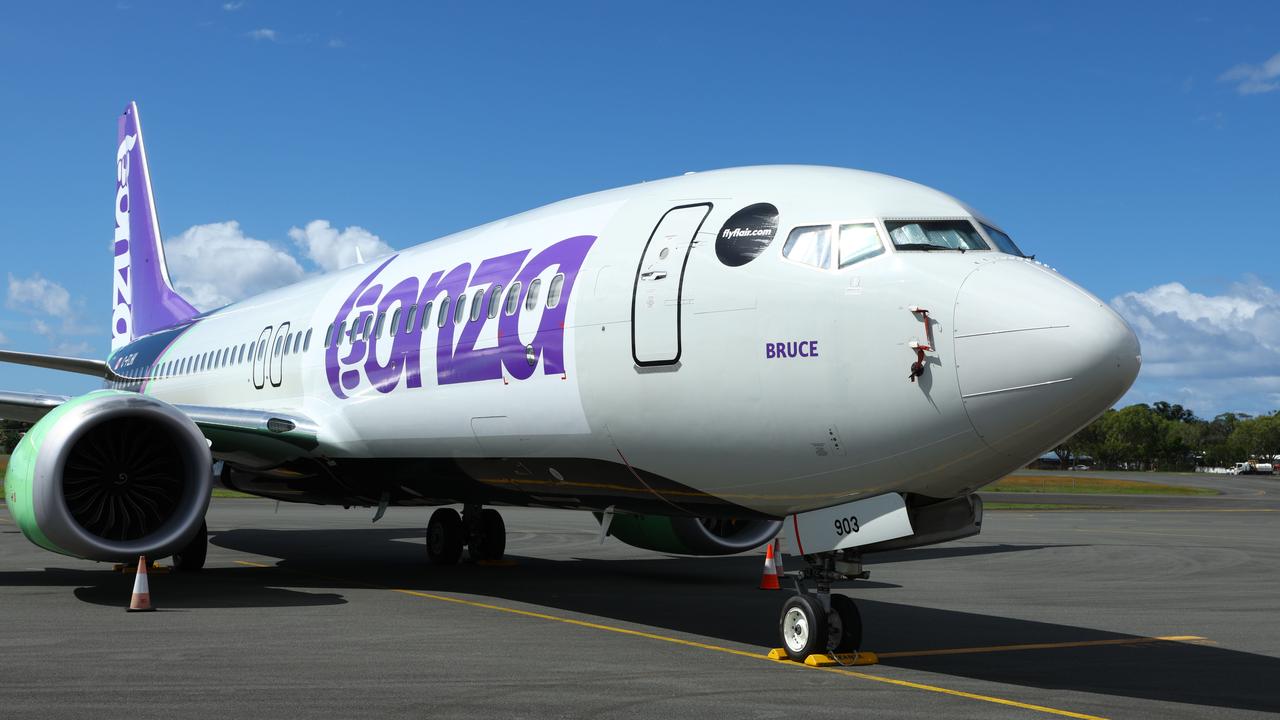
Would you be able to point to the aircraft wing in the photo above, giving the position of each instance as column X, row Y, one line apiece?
column 97, row 368
column 228, row 428
column 27, row 407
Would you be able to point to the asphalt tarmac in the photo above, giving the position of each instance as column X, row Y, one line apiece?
column 313, row 612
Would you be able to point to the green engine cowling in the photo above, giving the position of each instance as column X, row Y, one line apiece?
column 110, row 476
column 692, row 535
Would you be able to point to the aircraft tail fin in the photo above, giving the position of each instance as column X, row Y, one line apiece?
column 143, row 298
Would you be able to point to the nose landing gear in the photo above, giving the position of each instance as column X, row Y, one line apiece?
column 817, row 623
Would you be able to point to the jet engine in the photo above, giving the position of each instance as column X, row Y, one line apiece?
column 110, row 476
column 693, row 535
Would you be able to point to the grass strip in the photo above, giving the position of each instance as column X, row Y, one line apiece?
column 1087, row 485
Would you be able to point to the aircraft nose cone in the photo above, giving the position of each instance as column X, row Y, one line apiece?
column 1037, row 357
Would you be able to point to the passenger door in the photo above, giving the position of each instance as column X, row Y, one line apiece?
column 259, row 357
column 659, row 285
column 275, row 351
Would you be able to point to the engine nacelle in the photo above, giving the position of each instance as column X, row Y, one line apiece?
column 691, row 535
column 110, row 476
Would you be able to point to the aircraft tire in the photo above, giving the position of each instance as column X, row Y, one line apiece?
column 803, row 627
column 191, row 558
column 492, row 542
column 844, row 625
column 444, row 537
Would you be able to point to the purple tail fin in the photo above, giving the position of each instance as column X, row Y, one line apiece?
column 143, row 299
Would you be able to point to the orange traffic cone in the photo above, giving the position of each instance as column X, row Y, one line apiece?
column 777, row 556
column 770, row 579
column 141, row 601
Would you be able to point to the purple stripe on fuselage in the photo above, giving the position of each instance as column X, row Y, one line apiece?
column 347, row 366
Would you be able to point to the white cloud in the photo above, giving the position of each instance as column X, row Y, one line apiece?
column 334, row 249
column 1254, row 79
column 263, row 34
column 4, row 339
column 337, row 43
column 216, row 264
column 1210, row 352
column 39, row 294
column 232, row 6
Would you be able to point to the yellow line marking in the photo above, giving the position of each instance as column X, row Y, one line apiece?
column 695, row 644
column 740, row 653
column 1172, row 534
column 1040, row 646
column 253, row 564
column 958, row 693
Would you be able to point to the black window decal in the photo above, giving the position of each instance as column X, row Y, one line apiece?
column 746, row 234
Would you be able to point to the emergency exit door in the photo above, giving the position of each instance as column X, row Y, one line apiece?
column 659, row 286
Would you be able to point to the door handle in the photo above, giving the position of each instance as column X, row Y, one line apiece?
column 653, row 275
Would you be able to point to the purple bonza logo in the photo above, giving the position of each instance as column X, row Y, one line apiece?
column 347, row 364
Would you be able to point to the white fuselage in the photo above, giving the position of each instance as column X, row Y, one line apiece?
column 773, row 385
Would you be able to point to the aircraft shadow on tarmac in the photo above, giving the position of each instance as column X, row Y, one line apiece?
column 709, row 597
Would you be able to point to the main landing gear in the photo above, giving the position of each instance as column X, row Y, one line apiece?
column 191, row 557
column 817, row 622
column 481, row 530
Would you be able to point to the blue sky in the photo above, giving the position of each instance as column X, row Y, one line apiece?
column 1136, row 150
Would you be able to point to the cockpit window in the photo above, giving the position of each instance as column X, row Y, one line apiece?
column 934, row 235
column 809, row 245
column 858, row 241
column 1003, row 242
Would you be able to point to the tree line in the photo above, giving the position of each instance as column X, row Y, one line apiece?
column 1162, row 436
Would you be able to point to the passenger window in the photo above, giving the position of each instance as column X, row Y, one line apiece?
column 531, row 302
column 368, row 326
column 287, row 338
column 477, row 306
column 459, row 308
column 444, row 312
column 859, row 241
column 377, row 327
column 342, row 332
column 410, row 316
column 328, row 335
column 426, row 316
column 297, row 341
column 513, row 298
column 495, row 301
column 306, row 344
column 809, row 245
column 262, row 349
column 553, row 290
column 395, row 322
column 354, row 333
column 275, row 351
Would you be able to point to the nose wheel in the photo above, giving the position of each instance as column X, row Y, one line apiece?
column 819, row 622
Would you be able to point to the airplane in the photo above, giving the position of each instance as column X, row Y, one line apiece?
column 705, row 362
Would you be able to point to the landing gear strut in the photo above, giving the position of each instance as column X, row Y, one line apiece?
column 817, row 622
column 481, row 530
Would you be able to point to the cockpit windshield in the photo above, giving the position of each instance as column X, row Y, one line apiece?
column 935, row 235
column 1002, row 241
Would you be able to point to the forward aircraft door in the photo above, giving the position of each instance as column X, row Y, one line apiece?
column 659, row 285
